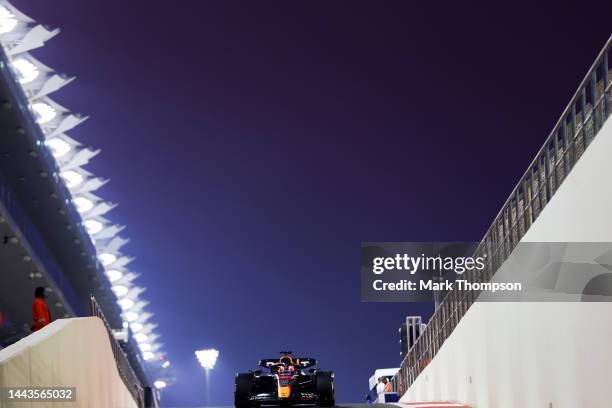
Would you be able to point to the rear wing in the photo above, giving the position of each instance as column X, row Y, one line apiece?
column 306, row 361
column 267, row 362
column 303, row 362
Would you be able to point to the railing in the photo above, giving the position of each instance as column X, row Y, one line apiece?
column 123, row 365
column 581, row 121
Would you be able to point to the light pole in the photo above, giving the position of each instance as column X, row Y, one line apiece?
column 207, row 359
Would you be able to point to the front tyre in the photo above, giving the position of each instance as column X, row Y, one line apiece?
column 243, row 388
column 325, row 389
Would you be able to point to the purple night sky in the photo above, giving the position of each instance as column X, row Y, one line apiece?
column 252, row 146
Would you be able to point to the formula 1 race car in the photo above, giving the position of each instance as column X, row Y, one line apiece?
column 285, row 384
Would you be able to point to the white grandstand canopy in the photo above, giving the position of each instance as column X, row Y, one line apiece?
column 19, row 35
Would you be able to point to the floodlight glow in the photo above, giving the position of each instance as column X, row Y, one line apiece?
column 120, row 290
column 144, row 346
column 93, row 226
column 166, row 364
column 136, row 327
column 207, row 358
column 58, row 147
column 72, row 178
column 126, row 304
column 7, row 20
column 83, row 204
column 107, row 258
column 159, row 384
column 147, row 355
column 26, row 71
column 140, row 337
column 131, row 316
column 114, row 275
column 44, row 112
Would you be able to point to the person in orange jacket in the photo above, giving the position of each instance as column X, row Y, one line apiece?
column 388, row 385
column 40, row 311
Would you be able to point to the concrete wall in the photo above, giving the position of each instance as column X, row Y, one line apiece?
column 71, row 353
column 538, row 354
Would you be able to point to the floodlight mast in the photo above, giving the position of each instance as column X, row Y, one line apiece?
column 207, row 359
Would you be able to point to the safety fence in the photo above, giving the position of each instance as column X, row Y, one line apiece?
column 579, row 124
column 126, row 372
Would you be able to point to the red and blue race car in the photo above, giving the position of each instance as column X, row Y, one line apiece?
column 286, row 383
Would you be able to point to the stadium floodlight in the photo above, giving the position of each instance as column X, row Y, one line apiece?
column 72, row 178
column 83, row 204
column 114, row 275
column 126, row 277
column 147, row 355
column 107, row 258
column 207, row 358
column 166, row 364
column 44, row 112
column 7, row 20
column 159, row 384
column 26, row 71
column 120, row 290
column 131, row 316
column 144, row 346
column 140, row 337
column 93, row 226
column 58, row 147
column 126, row 304
column 136, row 327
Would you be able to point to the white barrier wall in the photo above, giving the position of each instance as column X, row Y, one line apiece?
column 545, row 355
column 71, row 353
